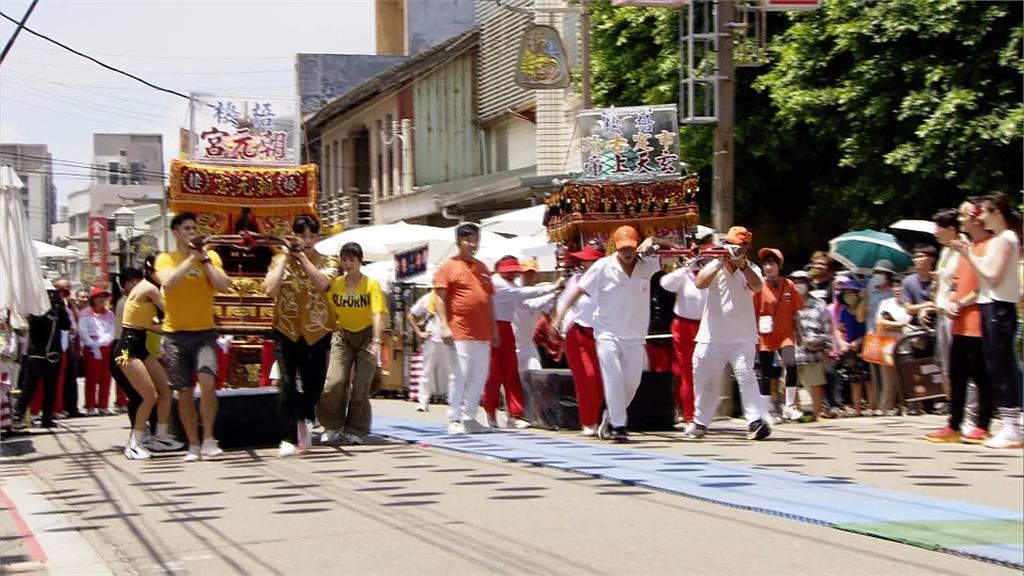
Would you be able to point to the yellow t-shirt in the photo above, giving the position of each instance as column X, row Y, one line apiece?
column 189, row 304
column 355, row 307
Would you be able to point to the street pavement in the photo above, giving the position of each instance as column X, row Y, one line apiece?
column 74, row 505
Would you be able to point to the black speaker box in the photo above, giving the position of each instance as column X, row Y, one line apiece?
column 653, row 407
column 551, row 400
column 246, row 417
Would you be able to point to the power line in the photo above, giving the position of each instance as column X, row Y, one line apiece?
column 86, row 56
column 21, row 24
column 74, row 163
column 84, row 117
column 20, row 75
column 73, row 87
column 88, row 105
column 165, row 57
column 204, row 73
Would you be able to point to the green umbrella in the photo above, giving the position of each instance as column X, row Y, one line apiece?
column 860, row 249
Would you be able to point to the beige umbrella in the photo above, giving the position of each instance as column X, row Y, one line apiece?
column 22, row 292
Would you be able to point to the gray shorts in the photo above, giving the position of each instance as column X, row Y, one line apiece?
column 187, row 354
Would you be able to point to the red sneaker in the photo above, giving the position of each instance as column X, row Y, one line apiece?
column 975, row 436
column 946, row 434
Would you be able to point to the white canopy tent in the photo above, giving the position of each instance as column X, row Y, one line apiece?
column 45, row 250
column 524, row 222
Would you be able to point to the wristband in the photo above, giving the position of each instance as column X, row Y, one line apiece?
column 205, row 260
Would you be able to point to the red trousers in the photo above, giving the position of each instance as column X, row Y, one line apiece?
column 684, row 331
column 97, row 379
column 581, row 354
column 504, row 371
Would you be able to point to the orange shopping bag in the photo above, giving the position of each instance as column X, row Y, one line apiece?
column 878, row 349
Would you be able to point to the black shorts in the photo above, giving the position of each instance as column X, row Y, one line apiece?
column 131, row 345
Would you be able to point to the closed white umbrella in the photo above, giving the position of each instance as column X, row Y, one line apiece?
column 22, row 292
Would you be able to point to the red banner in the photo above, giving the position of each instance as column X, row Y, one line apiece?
column 98, row 248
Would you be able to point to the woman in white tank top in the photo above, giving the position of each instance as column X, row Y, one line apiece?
column 1000, row 293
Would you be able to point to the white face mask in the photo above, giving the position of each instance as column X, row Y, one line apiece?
column 878, row 279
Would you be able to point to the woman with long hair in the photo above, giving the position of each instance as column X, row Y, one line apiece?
column 1000, row 294
column 137, row 359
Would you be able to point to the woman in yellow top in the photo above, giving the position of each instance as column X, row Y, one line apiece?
column 303, row 322
column 358, row 302
column 142, row 310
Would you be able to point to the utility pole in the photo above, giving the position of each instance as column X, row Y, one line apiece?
column 723, row 172
column 21, row 24
column 585, row 53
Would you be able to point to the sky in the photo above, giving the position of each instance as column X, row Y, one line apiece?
column 240, row 47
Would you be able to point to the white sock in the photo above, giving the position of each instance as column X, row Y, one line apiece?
column 791, row 396
column 162, row 429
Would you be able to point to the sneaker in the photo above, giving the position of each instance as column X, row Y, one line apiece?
column 456, row 427
column 620, row 435
column 163, row 443
column 604, row 431
column 92, row 412
column 867, row 412
column 695, row 432
column 135, row 450
column 17, row 424
column 944, row 434
column 210, row 448
column 422, row 409
column 517, row 423
column 354, row 439
column 758, row 430
column 473, row 427
column 331, row 438
column 286, row 449
column 793, row 413
column 1007, row 437
column 589, row 431
column 193, row 454
column 772, row 419
column 110, row 411
column 492, row 420
column 975, row 436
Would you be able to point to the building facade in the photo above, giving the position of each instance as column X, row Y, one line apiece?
column 34, row 165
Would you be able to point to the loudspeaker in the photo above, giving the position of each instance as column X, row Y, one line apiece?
column 246, row 417
column 653, row 407
column 551, row 400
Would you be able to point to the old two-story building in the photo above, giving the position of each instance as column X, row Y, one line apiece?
column 444, row 134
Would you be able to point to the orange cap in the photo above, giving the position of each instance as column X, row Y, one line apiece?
column 626, row 236
column 530, row 264
column 738, row 235
column 771, row 252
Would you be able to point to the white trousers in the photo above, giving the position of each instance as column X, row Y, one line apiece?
column 471, row 362
column 437, row 371
column 708, row 362
column 529, row 359
column 622, row 366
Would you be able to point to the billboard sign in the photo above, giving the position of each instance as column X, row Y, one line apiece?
column 243, row 130
column 634, row 143
column 98, row 247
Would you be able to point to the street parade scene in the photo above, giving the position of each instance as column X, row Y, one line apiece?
column 511, row 286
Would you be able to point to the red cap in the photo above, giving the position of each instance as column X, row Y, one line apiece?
column 97, row 291
column 588, row 254
column 508, row 266
column 738, row 235
column 772, row 252
column 626, row 236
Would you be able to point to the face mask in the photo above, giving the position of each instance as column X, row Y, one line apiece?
column 878, row 279
column 802, row 289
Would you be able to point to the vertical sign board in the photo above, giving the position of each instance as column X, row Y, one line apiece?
column 98, row 248
column 243, row 130
column 629, row 144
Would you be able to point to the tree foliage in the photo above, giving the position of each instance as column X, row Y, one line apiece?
column 867, row 111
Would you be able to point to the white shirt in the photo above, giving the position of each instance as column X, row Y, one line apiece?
column 525, row 322
column 508, row 296
column 945, row 271
column 896, row 311
column 623, row 301
column 690, row 300
column 96, row 330
column 1008, row 288
column 582, row 312
column 420, row 310
column 728, row 317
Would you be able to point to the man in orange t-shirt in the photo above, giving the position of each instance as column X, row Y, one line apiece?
column 779, row 301
column 966, row 359
column 465, row 309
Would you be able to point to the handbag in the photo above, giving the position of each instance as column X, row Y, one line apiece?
column 878, row 349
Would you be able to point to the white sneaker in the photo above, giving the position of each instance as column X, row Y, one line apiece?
column 135, row 450
column 492, row 421
column 285, row 449
column 92, row 412
column 793, row 413
column 193, row 454
column 164, row 443
column 518, row 423
column 589, row 431
column 473, row 427
column 110, row 411
column 423, row 408
column 456, row 427
column 604, row 431
column 1009, row 436
column 210, row 449
column 695, row 431
column 331, row 438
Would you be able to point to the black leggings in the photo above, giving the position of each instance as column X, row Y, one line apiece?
column 309, row 360
column 998, row 327
column 134, row 398
column 767, row 358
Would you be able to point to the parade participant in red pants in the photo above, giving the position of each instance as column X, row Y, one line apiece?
column 504, row 368
column 688, row 309
column 96, row 329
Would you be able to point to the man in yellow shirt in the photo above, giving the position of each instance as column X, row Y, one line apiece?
column 344, row 408
column 190, row 277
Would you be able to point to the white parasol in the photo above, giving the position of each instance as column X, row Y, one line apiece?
column 22, row 292
column 44, row 250
column 525, row 222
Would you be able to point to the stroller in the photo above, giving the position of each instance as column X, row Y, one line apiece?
column 920, row 378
